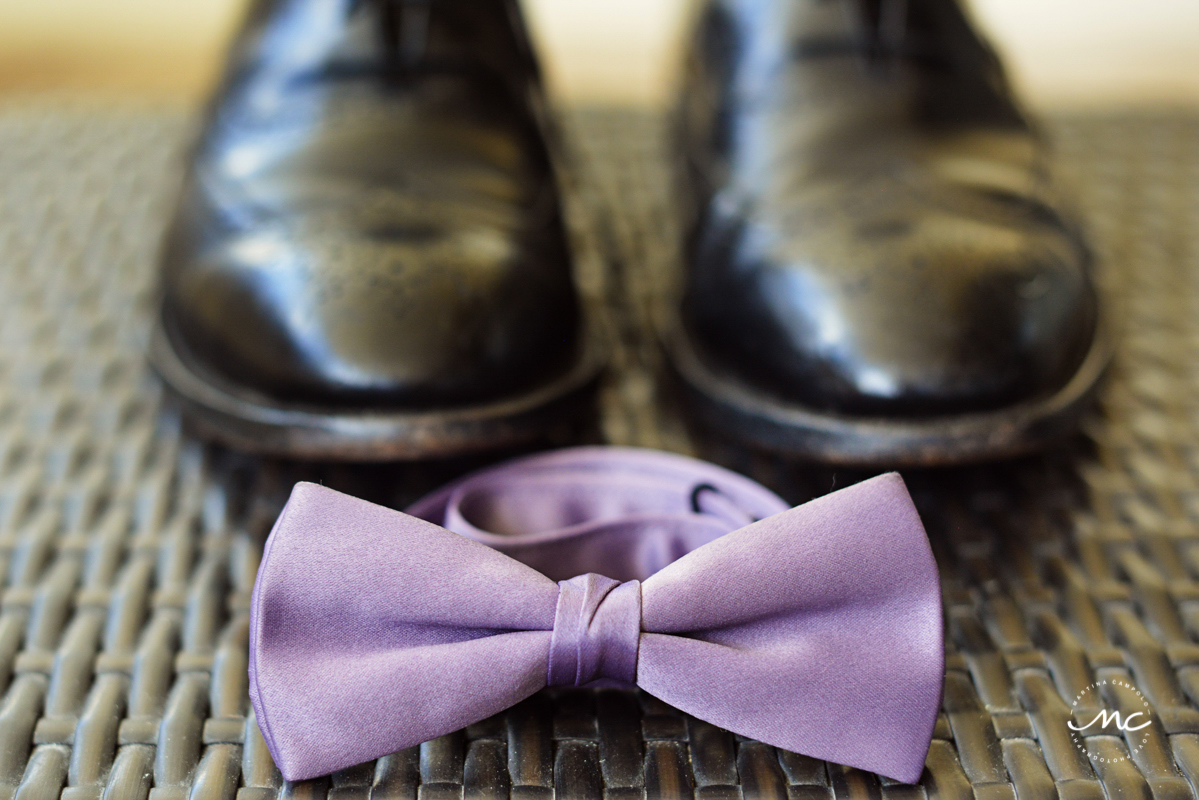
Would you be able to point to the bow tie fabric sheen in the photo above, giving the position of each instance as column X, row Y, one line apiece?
column 816, row 629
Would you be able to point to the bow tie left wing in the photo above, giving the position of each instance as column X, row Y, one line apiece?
column 818, row 630
column 372, row 631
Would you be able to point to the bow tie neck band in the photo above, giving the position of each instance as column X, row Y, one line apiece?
column 815, row 629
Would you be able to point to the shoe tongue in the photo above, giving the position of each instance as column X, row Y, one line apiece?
column 305, row 40
column 933, row 32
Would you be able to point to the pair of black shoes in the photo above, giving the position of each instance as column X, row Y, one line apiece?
column 370, row 259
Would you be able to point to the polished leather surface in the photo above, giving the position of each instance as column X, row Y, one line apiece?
column 872, row 228
column 371, row 219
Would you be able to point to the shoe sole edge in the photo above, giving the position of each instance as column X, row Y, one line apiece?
column 762, row 421
column 259, row 425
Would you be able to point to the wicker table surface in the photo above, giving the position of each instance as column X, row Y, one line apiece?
column 128, row 550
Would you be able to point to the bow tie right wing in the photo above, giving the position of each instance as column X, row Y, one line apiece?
column 817, row 630
column 372, row 631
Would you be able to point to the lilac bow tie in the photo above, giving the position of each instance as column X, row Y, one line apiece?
column 816, row 629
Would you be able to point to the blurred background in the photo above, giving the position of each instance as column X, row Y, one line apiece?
column 1064, row 54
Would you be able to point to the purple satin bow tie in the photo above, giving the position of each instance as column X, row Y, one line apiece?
column 816, row 629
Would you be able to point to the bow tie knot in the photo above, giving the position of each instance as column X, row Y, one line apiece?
column 597, row 631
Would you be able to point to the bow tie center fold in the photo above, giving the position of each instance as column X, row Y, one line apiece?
column 597, row 631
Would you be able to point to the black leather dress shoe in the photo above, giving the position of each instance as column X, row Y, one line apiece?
column 879, row 269
column 369, row 260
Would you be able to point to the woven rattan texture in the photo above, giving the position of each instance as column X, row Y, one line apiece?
column 128, row 550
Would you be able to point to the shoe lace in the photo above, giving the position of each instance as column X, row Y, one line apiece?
column 882, row 25
column 934, row 33
column 404, row 27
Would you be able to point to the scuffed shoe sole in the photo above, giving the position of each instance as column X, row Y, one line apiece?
column 217, row 410
column 761, row 420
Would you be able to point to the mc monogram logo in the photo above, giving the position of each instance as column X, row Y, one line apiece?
column 1114, row 716
column 1134, row 725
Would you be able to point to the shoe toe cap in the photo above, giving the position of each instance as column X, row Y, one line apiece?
column 949, row 315
column 364, row 320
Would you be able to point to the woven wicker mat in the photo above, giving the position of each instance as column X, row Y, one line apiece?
column 128, row 550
